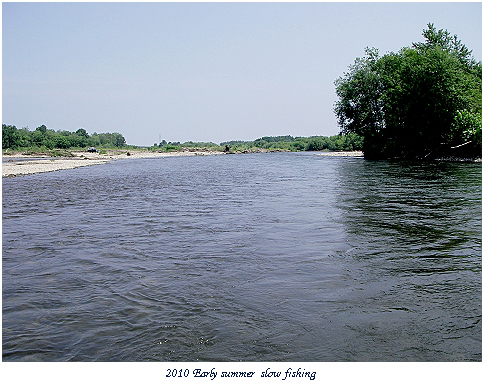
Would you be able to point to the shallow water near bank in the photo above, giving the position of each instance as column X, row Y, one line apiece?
column 262, row 257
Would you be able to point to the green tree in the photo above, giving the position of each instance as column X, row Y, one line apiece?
column 37, row 138
column 41, row 129
column 44, row 137
column 107, row 140
column 118, row 140
column 24, row 138
column 82, row 132
column 9, row 136
column 421, row 102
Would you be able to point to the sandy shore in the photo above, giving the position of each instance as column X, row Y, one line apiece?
column 20, row 165
column 342, row 154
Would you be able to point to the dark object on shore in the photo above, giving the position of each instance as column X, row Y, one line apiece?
column 128, row 154
column 92, row 149
column 227, row 148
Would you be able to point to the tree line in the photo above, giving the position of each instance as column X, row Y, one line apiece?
column 420, row 103
column 349, row 142
column 42, row 137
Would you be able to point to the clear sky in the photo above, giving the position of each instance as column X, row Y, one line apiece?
column 200, row 71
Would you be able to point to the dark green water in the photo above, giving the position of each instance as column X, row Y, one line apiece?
column 267, row 257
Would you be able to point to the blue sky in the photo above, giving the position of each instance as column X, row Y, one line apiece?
column 200, row 71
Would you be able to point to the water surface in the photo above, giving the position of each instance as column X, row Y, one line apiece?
column 263, row 257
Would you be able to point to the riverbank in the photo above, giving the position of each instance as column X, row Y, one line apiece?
column 342, row 154
column 19, row 164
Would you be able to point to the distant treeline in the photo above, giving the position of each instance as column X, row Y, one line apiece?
column 349, row 142
column 42, row 137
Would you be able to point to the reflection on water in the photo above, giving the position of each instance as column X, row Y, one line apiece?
column 415, row 231
column 272, row 257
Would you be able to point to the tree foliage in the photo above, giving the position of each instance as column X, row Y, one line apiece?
column 423, row 102
column 349, row 142
column 43, row 137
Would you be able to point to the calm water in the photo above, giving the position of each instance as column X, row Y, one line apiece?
column 264, row 257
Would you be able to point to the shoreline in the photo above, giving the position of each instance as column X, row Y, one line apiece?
column 20, row 165
column 342, row 154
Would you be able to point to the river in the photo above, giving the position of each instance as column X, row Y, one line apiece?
column 257, row 257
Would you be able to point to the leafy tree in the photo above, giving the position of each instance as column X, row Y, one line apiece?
column 299, row 145
column 118, row 140
column 82, row 132
column 41, row 129
column 421, row 102
column 349, row 142
column 107, row 140
column 43, row 137
column 9, row 136
column 37, row 138
column 24, row 138
column 444, row 41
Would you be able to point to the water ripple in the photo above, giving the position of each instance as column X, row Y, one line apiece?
column 279, row 257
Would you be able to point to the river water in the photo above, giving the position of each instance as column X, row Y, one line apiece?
column 261, row 257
